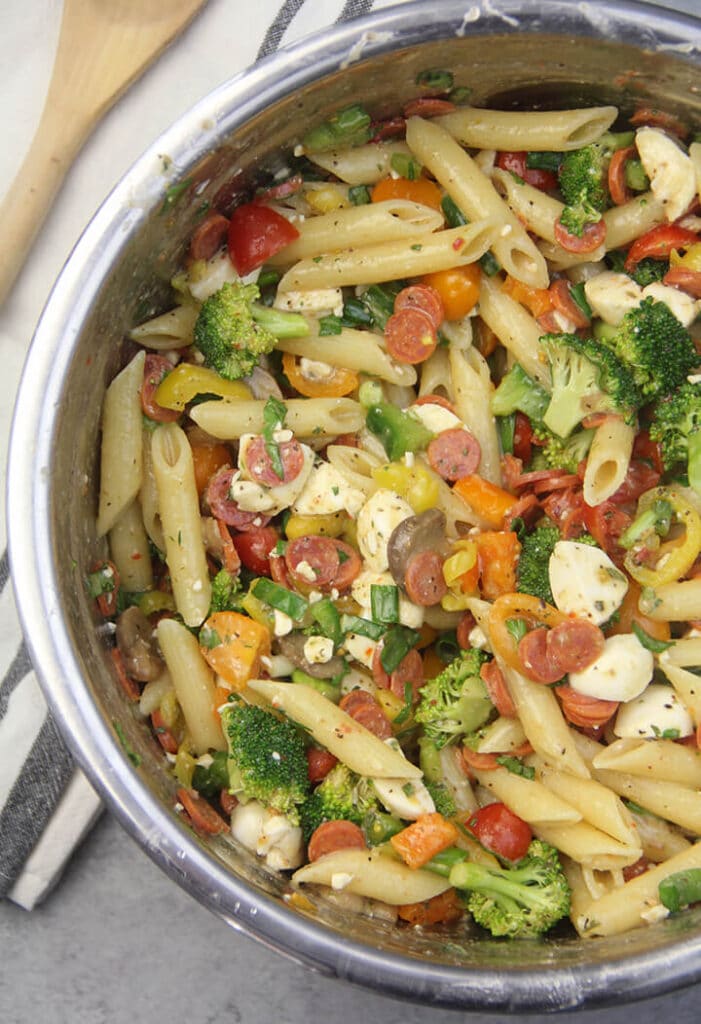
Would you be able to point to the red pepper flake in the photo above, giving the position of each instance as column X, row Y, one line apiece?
column 458, row 244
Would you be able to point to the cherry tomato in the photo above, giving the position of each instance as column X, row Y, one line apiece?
column 418, row 190
column 659, row 242
column 500, row 830
column 254, row 547
column 516, row 163
column 319, row 763
column 591, row 238
column 256, row 233
column 341, row 382
column 523, row 437
column 459, row 288
column 620, row 193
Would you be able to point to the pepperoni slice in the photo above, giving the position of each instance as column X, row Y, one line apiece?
column 155, row 369
column 409, row 670
column 286, row 188
column 635, row 870
column 349, row 566
column 434, row 399
column 591, row 238
column 526, row 509
column 560, row 482
column 373, row 718
column 131, row 688
column 331, row 836
column 203, row 817
column 392, row 128
column 278, row 570
column 583, row 711
column 575, row 644
column 209, row 237
column 424, row 297
column 423, row 579
column 536, row 658
column 312, row 560
column 319, row 763
column 350, row 701
column 560, row 292
column 454, row 454
column 260, row 465
column 464, row 628
column 688, row 281
column 410, row 336
column 428, row 106
column 224, row 508
column 497, row 690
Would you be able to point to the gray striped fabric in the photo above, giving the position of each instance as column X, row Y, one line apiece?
column 35, row 766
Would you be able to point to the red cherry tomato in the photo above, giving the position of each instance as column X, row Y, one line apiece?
column 523, row 437
column 256, row 233
column 500, row 830
column 659, row 242
column 254, row 547
column 516, row 163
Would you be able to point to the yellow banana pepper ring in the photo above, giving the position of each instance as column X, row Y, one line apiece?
column 518, row 606
column 676, row 556
column 188, row 380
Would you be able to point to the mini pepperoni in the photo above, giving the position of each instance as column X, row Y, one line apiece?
column 203, row 817
column 454, row 453
column 560, row 292
column 685, row 280
column 434, row 399
column 536, row 659
column 312, row 561
column 224, row 508
column 591, row 238
column 583, row 711
column 260, row 465
column 393, row 128
column 209, row 237
column 278, row 570
column 229, row 554
column 131, row 688
column 409, row 670
column 319, row 763
column 424, row 297
column 474, row 761
column 286, row 188
column 618, row 187
column 350, row 701
column 155, row 369
column 410, row 336
column 641, row 865
column 423, row 579
column 464, row 628
column 497, row 690
column 527, row 509
column 331, row 836
column 575, row 644
column 373, row 718
column 428, row 106
column 349, row 566
column 559, row 482
column 654, row 118
column 228, row 802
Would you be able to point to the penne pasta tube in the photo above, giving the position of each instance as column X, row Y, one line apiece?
column 516, row 329
column 553, row 130
column 170, row 330
column 658, row 838
column 121, row 460
column 655, row 759
column 351, row 743
column 476, row 196
column 472, row 391
column 361, row 165
column 387, row 261
column 533, row 802
column 322, row 417
column 130, row 551
column 608, row 460
column 389, row 220
column 669, row 800
column 534, row 208
column 194, row 685
column 630, row 220
column 673, row 602
column 374, row 875
column 675, row 662
column 589, row 846
column 179, row 508
column 596, row 804
column 352, row 349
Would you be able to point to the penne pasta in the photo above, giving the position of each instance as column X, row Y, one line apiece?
column 655, row 759
column 372, row 874
column 170, row 330
column 356, row 350
column 325, row 417
column 673, row 602
column 535, row 802
column 515, row 328
column 194, row 685
column 361, row 165
column 121, row 458
column 554, row 130
column 129, row 549
column 472, row 392
column 608, row 460
column 596, row 804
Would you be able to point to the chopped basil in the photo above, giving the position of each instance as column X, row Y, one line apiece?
column 515, row 766
column 280, row 597
column 274, row 413
column 384, row 603
column 397, row 643
column 650, row 643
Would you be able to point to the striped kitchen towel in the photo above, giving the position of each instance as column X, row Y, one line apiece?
column 46, row 804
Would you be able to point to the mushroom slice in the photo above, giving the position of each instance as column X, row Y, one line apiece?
column 423, row 532
column 138, row 647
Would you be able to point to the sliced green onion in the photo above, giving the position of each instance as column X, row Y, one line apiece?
column 680, row 889
column 405, row 166
column 325, row 613
column 173, row 194
column 489, row 264
column 516, row 766
column 281, row 598
column 650, row 643
column 363, row 627
column 359, row 195
column 347, row 127
column 579, row 296
column 636, row 178
column 538, row 160
column 329, row 325
column 460, row 95
column 384, row 603
column 397, row 643
column 326, row 687
column 435, row 79
column 506, row 425
column 454, row 216
column 356, row 313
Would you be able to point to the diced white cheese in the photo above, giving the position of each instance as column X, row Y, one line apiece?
column 612, row 295
column 656, row 712
column 585, row 582
column 682, row 305
column 410, row 614
column 312, row 300
column 435, row 418
column 216, row 272
column 669, row 168
column 406, row 799
column 304, row 569
column 253, row 497
column 268, row 834
column 318, row 650
column 340, row 879
column 478, row 638
column 621, row 672
column 360, row 648
column 327, row 491
column 283, row 624
column 250, row 496
column 378, row 517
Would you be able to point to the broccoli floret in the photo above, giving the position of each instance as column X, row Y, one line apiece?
column 582, row 179
column 519, row 392
column 677, row 426
column 562, row 453
column 341, row 795
column 517, row 902
column 532, row 575
column 587, row 377
column 232, row 330
column 442, row 798
column 227, row 592
column 454, row 702
column 266, row 758
column 656, row 348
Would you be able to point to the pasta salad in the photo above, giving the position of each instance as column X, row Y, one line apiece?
column 403, row 506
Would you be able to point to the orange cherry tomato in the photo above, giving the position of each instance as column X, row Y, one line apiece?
column 207, row 459
column 418, row 190
column 459, row 288
column 341, row 382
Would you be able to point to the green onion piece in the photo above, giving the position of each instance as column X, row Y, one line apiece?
column 506, row 425
column 356, row 313
column 405, row 712
column 650, row 643
column 210, row 780
column 359, row 195
column 363, row 627
column 454, row 216
column 274, row 413
column 680, row 889
column 441, row 863
column 447, row 646
column 579, row 296
column 347, row 127
column 280, row 597
column 435, row 79
column 173, row 194
column 384, row 603
column 326, row 687
column 460, row 95
column 516, row 766
column 128, row 750
column 397, row 643
column 405, row 166
column 330, row 325
column 489, row 264
column 267, row 278
column 379, row 827
column 537, row 160
column 325, row 613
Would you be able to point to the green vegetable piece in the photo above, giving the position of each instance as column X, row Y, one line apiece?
column 680, row 889
column 650, row 643
column 677, row 427
column 454, row 216
column 341, row 795
column 547, row 160
column 399, row 431
column 406, row 167
column 455, row 702
column 397, row 643
column 653, row 521
column 347, row 127
column 359, row 195
column 325, row 614
column 363, row 627
column 281, row 598
column 211, row 779
column 327, row 687
column 532, row 575
column 384, row 603
column 379, row 827
column 435, row 79
column 517, row 392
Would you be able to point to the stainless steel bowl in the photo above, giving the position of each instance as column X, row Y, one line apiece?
column 512, row 53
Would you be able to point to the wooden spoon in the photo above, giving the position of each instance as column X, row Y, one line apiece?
column 103, row 46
